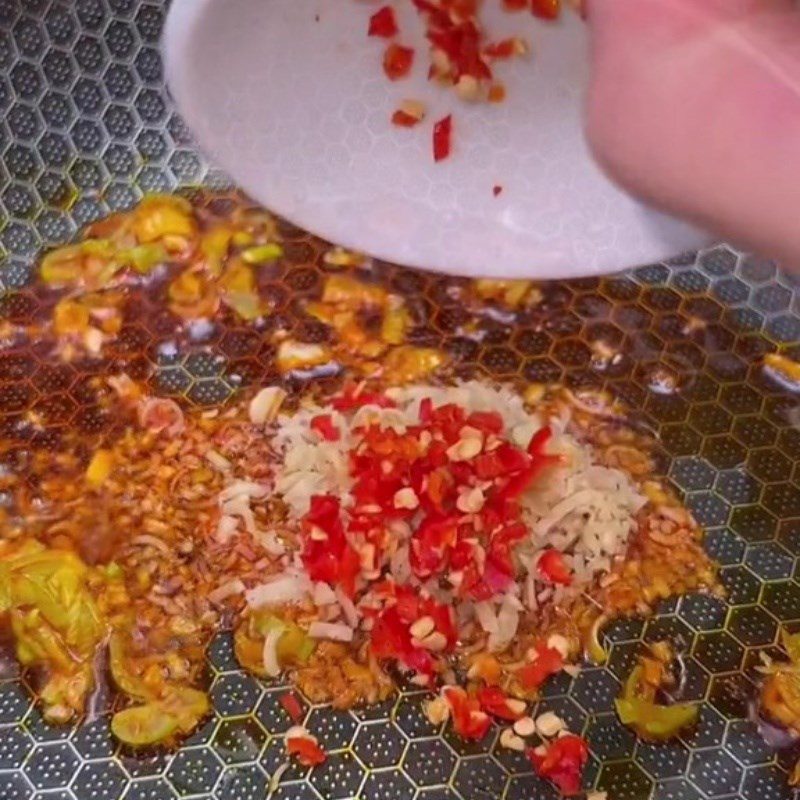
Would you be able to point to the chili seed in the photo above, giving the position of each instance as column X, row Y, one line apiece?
column 525, row 726
column 422, row 628
column 549, row 724
column 511, row 741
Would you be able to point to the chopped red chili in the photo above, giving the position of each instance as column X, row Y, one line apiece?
column 546, row 9
column 504, row 460
column 425, row 410
column 323, row 425
column 291, row 705
column 497, row 93
column 439, row 489
column 351, row 399
column 411, row 474
column 442, row 136
column 391, row 635
column 501, row 50
column 486, row 421
column 548, row 661
column 391, row 639
column 383, row 23
column 469, row 721
column 562, row 762
column 305, row 750
column 437, row 16
column 552, row 567
column 404, row 120
column 397, row 61
column 431, row 544
column 536, row 448
column 494, row 701
column 328, row 557
column 499, row 551
column 450, row 419
column 460, row 55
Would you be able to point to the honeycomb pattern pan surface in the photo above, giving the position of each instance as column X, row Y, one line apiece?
column 86, row 128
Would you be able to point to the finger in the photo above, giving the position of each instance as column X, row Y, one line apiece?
column 695, row 106
column 618, row 19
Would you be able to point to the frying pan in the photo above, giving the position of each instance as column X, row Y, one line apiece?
column 87, row 127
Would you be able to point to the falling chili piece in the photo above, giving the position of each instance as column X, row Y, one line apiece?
column 404, row 120
column 546, row 9
column 507, row 48
column 397, row 61
column 442, row 138
column 383, row 23
column 410, row 113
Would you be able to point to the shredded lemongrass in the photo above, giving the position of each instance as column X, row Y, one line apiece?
column 275, row 780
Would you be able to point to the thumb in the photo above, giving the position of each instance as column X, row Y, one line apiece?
column 695, row 107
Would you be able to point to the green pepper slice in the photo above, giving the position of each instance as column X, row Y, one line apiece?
column 651, row 720
column 140, row 726
column 294, row 646
column 159, row 721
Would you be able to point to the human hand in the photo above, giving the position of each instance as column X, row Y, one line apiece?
column 695, row 107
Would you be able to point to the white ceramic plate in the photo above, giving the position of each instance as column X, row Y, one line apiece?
column 289, row 97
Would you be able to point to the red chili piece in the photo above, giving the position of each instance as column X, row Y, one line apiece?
column 469, row 721
column 437, row 16
column 562, row 763
column 305, row 750
column 539, row 441
column 495, row 702
column 291, row 705
column 411, row 476
column 442, row 135
column 546, row 9
column 453, row 29
column 323, row 425
column 549, row 661
column 501, row 50
column 553, row 568
column 404, row 120
column 383, row 23
column 397, row 61
column 330, row 559
column 351, row 399
column 391, row 635
column 486, row 421
column 497, row 93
